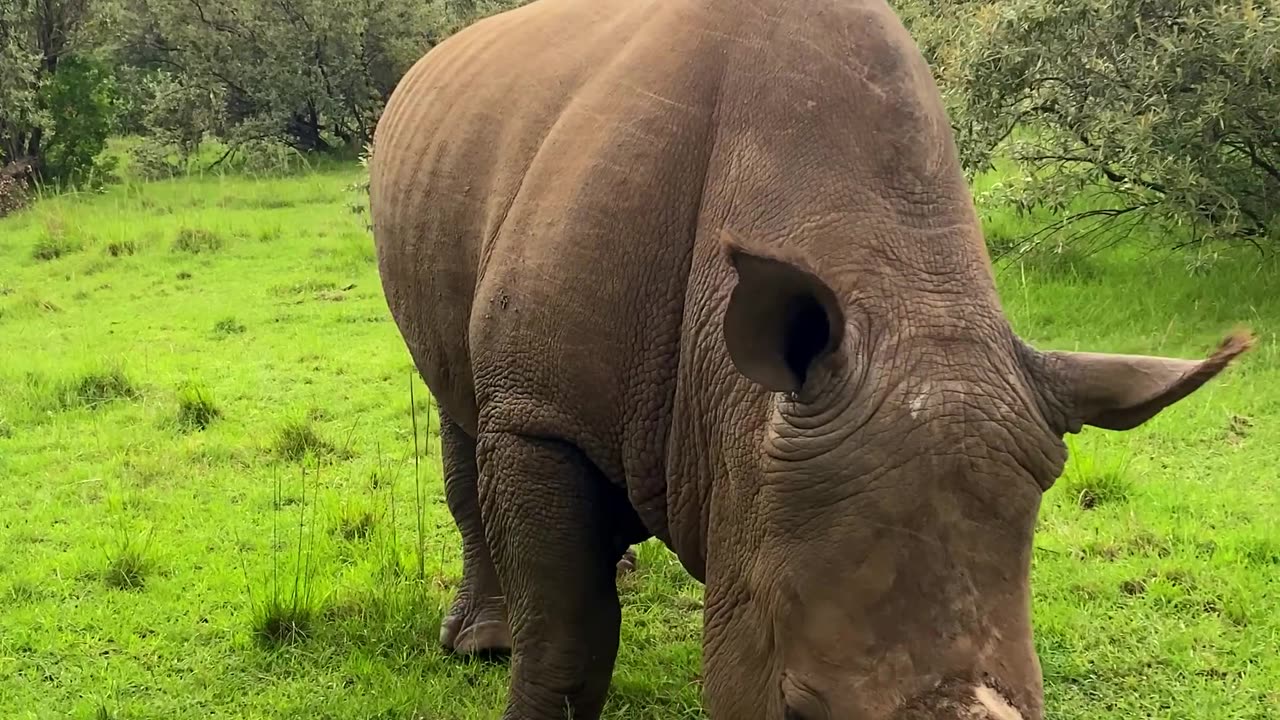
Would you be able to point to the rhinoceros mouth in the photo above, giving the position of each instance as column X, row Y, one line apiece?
column 962, row 700
column 991, row 705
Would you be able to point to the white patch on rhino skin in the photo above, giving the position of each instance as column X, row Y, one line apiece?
column 921, row 399
column 917, row 404
column 992, row 705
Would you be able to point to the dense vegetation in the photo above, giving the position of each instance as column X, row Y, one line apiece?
column 1163, row 111
column 310, row 75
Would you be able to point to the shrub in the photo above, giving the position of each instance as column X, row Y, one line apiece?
column 312, row 76
column 1161, row 111
column 178, row 113
column 56, row 90
column 265, row 158
column 149, row 160
column 79, row 99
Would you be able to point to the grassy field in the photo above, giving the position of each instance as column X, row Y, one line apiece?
column 210, row 505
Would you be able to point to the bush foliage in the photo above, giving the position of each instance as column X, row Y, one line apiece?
column 56, row 95
column 1119, row 113
column 1161, row 111
column 79, row 100
column 309, row 74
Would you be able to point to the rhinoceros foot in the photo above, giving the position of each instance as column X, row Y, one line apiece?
column 476, row 627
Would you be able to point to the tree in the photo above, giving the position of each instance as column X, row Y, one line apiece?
column 1165, row 110
column 315, row 73
column 78, row 100
column 55, row 98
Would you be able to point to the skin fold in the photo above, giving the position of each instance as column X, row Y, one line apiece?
column 709, row 271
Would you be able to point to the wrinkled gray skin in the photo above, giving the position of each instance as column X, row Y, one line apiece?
column 708, row 270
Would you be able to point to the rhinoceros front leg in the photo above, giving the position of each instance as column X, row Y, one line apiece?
column 546, row 517
column 477, row 620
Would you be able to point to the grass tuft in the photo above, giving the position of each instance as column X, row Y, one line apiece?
column 196, row 407
column 121, row 248
column 52, row 245
column 198, row 240
column 129, row 564
column 280, row 621
column 355, row 521
column 297, row 439
column 1091, row 481
column 23, row 590
column 41, row 304
column 1060, row 262
column 98, row 387
column 289, row 611
column 227, row 327
column 390, row 619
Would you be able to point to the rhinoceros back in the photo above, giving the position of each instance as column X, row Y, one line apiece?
column 536, row 192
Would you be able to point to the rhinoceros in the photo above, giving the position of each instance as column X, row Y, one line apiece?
column 709, row 271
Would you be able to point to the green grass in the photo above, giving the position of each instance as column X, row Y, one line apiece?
column 208, row 501
column 196, row 406
column 128, row 563
column 296, row 439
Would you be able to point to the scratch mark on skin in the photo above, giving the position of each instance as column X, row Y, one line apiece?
column 628, row 127
column 862, row 72
column 992, row 705
column 732, row 38
column 698, row 112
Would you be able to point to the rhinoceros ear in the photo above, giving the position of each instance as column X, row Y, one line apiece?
column 1120, row 392
column 781, row 318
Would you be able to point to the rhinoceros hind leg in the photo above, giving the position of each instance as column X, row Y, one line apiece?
column 477, row 621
